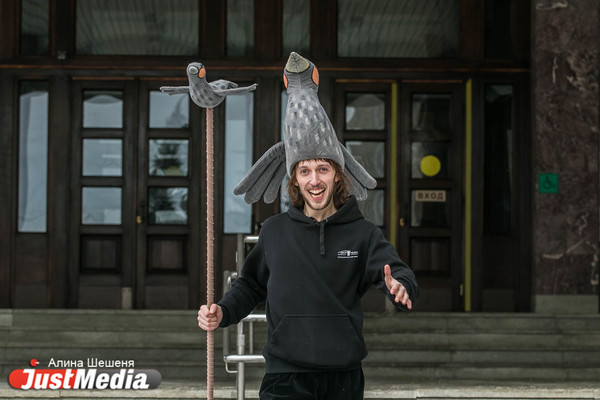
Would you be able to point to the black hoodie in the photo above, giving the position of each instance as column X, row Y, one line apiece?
column 315, row 274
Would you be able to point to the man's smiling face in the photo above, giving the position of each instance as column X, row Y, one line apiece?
column 316, row 180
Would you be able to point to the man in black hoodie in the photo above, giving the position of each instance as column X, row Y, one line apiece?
column 312, row 265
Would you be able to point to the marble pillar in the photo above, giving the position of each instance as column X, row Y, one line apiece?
column 565, row 142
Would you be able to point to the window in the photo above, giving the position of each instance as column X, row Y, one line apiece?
column 365, row 133
column 33, row 156
column 239, row 111
column 168, row 205
column 35, row 27
column 296, row 26
column 365, row 111
column 137, row 27
column 102, row 109
column 240, row 27
column 168, row 111
column 101, row 205
column 102, row 157
column 403, row 29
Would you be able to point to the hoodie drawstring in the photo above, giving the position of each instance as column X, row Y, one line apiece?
column 322, row 236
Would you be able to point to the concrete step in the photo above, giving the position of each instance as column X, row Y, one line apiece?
column 407, row 345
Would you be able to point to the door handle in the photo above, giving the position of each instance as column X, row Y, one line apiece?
column 401, row 221
column 141, row 211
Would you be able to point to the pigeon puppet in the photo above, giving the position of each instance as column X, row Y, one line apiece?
column 308, row 134
column 206, row 94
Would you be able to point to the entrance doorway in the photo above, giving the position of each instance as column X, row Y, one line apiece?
column 466, row 240
column 430, row 190
column 410, row 136
column 136, row 213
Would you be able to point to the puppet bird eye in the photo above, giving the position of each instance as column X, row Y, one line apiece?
column 192, row 70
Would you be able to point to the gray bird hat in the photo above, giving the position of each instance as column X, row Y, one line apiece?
column 308, row 134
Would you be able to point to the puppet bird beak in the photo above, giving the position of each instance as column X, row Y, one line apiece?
column 296, row 63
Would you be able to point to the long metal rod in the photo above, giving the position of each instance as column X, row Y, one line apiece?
column 241, row 367
column 210, row 235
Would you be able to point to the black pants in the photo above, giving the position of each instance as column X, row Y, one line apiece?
column 334, row 385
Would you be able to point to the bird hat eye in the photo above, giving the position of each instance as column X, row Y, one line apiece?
column 285, row 81
column 192, row 70
column 315, row 76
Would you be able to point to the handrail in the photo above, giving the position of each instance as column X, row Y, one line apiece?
column 245, row 358
column 241, row 358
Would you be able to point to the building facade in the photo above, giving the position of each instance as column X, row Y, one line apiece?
column 478, row 118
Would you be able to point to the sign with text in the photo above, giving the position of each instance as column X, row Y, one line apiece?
column 438, row 196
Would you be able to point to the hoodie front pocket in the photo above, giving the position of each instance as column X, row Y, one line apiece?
column 318, row 341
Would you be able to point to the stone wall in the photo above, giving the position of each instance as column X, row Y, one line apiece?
column 565, row 142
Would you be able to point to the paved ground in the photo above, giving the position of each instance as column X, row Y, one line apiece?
column 375, row 390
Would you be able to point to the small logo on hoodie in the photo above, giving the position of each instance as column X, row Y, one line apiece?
column 348, row 254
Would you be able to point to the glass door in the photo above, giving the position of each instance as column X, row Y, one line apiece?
column 135, row 211
column 364, row 120
column 430, row 190
column 169, row 201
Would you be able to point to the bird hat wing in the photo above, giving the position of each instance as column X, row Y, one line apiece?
column 360, row 178
column 234, row 90
column 175, row 89
column 265, row 176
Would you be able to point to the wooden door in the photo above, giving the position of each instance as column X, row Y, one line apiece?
column 431, row 190
column 136, row 223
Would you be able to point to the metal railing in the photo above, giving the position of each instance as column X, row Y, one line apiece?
column 241, row 358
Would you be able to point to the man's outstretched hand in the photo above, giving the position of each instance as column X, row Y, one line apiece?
column 396, row 288
column 209, row 318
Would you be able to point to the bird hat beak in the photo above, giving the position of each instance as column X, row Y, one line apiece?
column 296, row 63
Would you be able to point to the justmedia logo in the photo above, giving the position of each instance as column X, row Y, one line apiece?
column 84, row 378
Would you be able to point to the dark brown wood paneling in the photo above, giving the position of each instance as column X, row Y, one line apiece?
column 522, row 35
column 267, row 132
column 59, row 148
column 524, row 273
column 31, row 264
column 9, row 28
column 7, row 181
column 212, row 23
column 472, row 30
column 30, row 295
column 62, row 29
column 267, row 29
column 323, row 29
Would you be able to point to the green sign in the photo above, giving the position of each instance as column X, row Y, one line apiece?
column 548, row 183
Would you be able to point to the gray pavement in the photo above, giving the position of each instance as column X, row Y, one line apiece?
column 431, row 390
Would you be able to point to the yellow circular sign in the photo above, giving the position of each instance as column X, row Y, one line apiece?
column 430, row 165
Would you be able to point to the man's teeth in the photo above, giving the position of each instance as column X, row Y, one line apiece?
column 316, row 192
